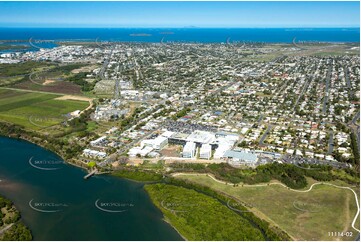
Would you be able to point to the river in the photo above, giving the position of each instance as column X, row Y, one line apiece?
column 56, row 203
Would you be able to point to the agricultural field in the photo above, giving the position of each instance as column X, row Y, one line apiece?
column 303, row 215
column 47, row 77
column 54, row 79
column 22, row 68
column 50, row 85
column 35, row 111
column 12, row 74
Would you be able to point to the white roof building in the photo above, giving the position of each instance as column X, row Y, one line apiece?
column 133, row 152
column 167, row 134
column 241, row 157
column 189, row 150
column 202, row 137
column 224, row 144
column 94, row 153
column 205, row 151
column 97, row 141
column 157, row 143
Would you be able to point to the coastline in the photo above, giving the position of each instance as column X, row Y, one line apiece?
column 165, row 219
column 19, row 221
column 34, row 143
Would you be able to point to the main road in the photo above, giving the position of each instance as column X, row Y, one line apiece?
column 328, row 77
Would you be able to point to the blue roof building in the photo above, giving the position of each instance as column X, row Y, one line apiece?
column 241, row 157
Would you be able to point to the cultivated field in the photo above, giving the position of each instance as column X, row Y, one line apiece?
column 304, row 216
column 35, row 110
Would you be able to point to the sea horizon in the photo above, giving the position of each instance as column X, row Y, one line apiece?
column 186, row 34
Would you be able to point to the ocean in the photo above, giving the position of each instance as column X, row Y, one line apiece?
column 193, row 35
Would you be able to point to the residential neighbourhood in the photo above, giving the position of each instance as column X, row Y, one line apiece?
column 230, row 103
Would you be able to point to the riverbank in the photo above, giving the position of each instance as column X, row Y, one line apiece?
column 11, row 226
column 197, row 216
column 33, row 142
column 170, row 224
column 74, row 200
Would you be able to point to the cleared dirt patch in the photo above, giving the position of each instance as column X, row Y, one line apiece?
column 83, row 69
column 47, row 82
column 171, row 151
column 72, row 97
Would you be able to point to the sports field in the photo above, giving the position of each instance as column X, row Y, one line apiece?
column 304, row 216
column 35, row 110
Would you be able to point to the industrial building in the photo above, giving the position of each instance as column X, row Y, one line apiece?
column 158, row 143
column 94, row 153
column 205, row 151
column 142, row 151
column 201, row 137
column 236, row 157
column 189, row 150
column 98, row 141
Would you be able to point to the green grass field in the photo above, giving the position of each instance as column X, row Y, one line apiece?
column 304, row 216
column 35, row 110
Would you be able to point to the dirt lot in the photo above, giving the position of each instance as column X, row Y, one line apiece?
column 171, row 151
column 71, row 97
column 84, row 69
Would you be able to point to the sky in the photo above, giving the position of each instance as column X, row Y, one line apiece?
column 180, row 14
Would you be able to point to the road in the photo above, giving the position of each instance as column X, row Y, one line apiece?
column 355, row 127
column 348, row 83
column 355, row 118
column 265, row 134
column 328, row 77
column 307, row 83
column 105, row 65
column 330, row 143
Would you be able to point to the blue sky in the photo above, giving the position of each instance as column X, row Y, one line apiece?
column 179, row 14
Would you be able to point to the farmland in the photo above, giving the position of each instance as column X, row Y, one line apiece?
column 47, row 77
column 304, row 216
column 35, row 110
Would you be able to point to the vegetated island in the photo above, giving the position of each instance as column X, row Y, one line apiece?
column 11, row 227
